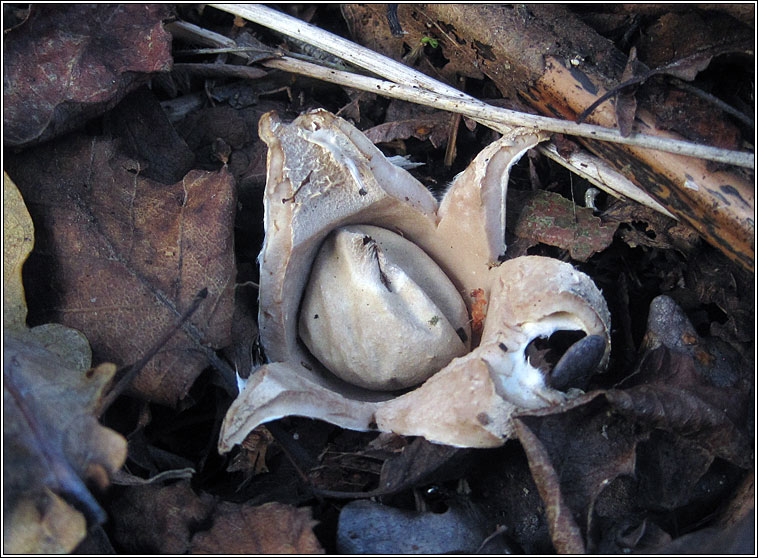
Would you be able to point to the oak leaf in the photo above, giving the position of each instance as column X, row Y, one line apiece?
column 124, row 257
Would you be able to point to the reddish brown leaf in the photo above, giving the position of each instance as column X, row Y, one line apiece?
column 272, row 528
column 70, row 62
column 552, row 219
column 125, row 256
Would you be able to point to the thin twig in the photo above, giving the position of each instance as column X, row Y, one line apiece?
column 129, row 374
column 504, row 120
column 426, row 90
column 220, row 70
column 727, row 108
column 347, row 50
column 673, row 68
column 590, row 167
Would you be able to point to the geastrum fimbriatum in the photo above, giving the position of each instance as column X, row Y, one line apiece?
column 373, row 295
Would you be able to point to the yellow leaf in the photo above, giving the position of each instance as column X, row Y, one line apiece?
column 18, row 241
column 50, row 527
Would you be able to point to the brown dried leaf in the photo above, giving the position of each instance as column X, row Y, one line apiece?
column 434, row 127
column 272, row 528
column 155, row 519
column 552, row 219
column 70, row 62
column 124, row 256
column 251, row 460
column 53, row 445
column 647, row 227
column 675, row 398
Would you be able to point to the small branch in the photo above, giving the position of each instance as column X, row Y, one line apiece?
column 504, row 120
column 129, row 374
column 191, row 32
column 347, row 50
column 592, row 168
column 425, row 90
column 727, row 108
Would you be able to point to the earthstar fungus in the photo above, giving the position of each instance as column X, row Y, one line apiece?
column 368, row 284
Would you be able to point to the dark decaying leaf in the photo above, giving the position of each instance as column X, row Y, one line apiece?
column 125, row 256
column 504, row 481
column 434, row 127
column 156, row 519
column 672, row 436
column 419, row 462
column 53, row 445
column 574, row 453
column 147, row 135
column 174, row 519
column 674, row 397
column 68, row 63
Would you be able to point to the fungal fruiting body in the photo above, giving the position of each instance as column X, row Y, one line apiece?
column 369, row 286
column 378, row 312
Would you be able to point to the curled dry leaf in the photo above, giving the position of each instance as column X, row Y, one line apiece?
column 54, row 448
column 87, row 57
column 645, row 445
column 125, row 256
column 323, row 174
